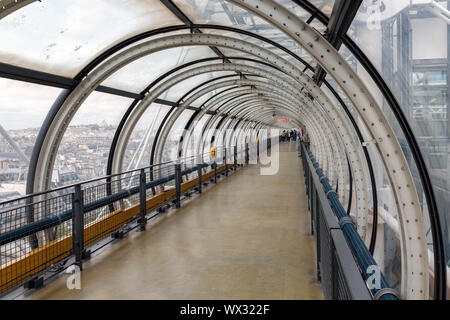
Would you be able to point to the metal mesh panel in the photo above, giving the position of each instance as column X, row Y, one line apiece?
column 326, row 257
column 45, row 240
column 341, row 290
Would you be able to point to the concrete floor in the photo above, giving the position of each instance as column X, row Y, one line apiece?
column 246, row 238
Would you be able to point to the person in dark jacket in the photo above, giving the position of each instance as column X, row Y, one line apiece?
column 294, row 135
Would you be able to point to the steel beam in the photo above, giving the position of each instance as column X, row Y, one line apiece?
column 341, row 18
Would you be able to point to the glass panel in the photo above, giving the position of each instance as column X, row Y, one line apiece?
column 84, row 149
column 407, row 43
column 259, row 65
column 23, row 107
column 286, row 42
column 202, row 99
column 139, row 147
column 225, row 13
column 63, row 36
column 228, row 102
column 170, row 151
column 196, row 136
column 387, row 253
column 139, row 74
column 199, row 102
column 221, row 135
column 249, row 63
column 387, row 250
column 347, row 102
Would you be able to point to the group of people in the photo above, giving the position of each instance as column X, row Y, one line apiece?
column 288, row 135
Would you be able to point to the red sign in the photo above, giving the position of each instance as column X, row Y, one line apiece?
column 283, row 120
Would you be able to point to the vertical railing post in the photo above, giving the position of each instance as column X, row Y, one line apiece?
column 177, row 185
column 226, row 164
column 247, row 156
column 257, row 150
column 199, row 173
column 142, row 200
column 215, row 171
column 78, row 226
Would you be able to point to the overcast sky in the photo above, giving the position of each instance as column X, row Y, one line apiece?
column 25, row 105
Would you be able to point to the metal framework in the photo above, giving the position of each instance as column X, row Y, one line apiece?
column 126, row 56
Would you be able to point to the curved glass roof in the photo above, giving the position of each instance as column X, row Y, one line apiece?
column 63, row 36
column 136, row 76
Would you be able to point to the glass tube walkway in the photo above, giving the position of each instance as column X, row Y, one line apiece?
column 247, row 238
